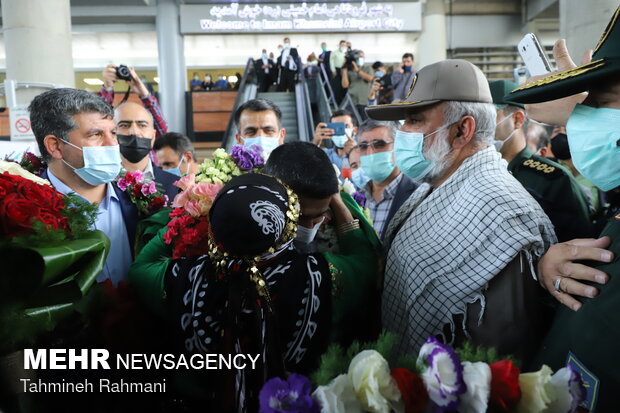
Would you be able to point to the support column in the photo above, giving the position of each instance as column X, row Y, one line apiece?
column 432, row 42
column 582, row 23
column 37, row 36
column 171, row 70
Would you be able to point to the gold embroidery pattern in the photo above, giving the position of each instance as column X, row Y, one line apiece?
column 539, row 166
column 564, row 75
column 608, row 29
column 415, row 79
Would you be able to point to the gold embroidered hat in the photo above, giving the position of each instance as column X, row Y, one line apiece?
column 452, row 79
column 499, row 89
column 605, row 61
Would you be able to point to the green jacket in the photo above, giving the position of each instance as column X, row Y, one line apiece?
column 592, row 333
column 356, row 274
column 557, row 192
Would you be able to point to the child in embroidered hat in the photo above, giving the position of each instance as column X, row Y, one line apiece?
column 586, row 339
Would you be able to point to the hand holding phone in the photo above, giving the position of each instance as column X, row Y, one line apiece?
column 337, row 127
column 533, row 55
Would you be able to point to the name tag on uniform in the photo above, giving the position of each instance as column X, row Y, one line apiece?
column 590, row 381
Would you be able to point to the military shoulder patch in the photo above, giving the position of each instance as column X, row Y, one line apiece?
column 540, row 167
column 589, row 380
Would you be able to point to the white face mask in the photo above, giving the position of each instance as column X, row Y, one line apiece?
column 306, row 235
column 497, row 143
column 343, row 49
column 360, row 61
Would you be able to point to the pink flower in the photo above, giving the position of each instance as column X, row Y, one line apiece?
column 149, row 189
column 204, row 189
column 186, row 181
column 181, row 199
column 193, row 208
column 122, row 184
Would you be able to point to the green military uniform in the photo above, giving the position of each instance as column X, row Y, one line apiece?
column 557, row 192
column 551, row 184
column 592, row 334
column 589, row 338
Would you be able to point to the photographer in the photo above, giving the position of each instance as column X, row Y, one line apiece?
column 381, row 87
column 357, row 77
column 110, row 76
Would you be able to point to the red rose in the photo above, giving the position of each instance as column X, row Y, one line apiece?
column 16, row 215
column 505, row 391
column 137, row 190
column 412, row 390
column 157, row 204
column 43, row 195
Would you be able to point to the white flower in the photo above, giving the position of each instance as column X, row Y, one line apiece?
column 375, row 388
column 442, row 373
column 15, row 169
column 536, row 391
column 569, row 391
column 477, row 377
column 338, row 396
column 348, row 187
column 220, row 153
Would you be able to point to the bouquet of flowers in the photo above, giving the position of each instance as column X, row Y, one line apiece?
column 30, row 162
column 189, row 228
column 144, row 195
column 438, row 380
column 49, row 255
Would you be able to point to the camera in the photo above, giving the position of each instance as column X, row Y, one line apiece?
column 122, row 72
column 349, row 58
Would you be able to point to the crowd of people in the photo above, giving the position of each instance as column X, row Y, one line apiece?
column 466, row 220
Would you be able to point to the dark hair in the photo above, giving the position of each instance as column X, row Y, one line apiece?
column 178, row 142
column 408, row 55
column 51, row 113
column 344, row 112
column 377, row 65
column 305, row 168
column 258, row 105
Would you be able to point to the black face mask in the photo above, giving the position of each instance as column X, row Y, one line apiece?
column 134, row 148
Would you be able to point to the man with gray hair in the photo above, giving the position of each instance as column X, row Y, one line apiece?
column 388, row 187
column 76, row 135
column 458, row 247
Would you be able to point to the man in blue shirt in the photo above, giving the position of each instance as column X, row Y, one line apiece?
column 76, row 135
column 342, row 144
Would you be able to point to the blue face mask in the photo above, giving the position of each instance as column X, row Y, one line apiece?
column 267, row 143
column 101, row 164
column 379, row 74
column 593, row 140
column 378, row 166
column 359, row 178
column 339, row 140
column 177, row 169
column 408, row 154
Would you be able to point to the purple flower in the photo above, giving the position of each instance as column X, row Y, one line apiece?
column 242, row 158
column 292, row 395
column 442, row 374
column 359, row 198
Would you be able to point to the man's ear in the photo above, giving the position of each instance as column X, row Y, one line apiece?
column 518, row 118
column 464, row 132
column 238, row 139
column 188, row 156
column 282, row 136
column 52, row 145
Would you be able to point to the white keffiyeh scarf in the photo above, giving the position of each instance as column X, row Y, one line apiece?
column 446, row 245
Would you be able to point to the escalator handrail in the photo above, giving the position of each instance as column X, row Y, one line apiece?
column 231, row 122
column 332, row 96
column 304, row 109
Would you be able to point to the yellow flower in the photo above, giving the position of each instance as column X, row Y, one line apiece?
column 536, row 391
column 375, row 388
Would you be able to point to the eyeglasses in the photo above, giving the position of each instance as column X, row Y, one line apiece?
column 376, row 144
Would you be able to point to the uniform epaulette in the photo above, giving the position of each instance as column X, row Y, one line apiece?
column 541, row 166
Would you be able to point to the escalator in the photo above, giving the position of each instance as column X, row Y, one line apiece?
column 295, row 106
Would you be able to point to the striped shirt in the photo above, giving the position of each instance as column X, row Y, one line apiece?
column 379, row 210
